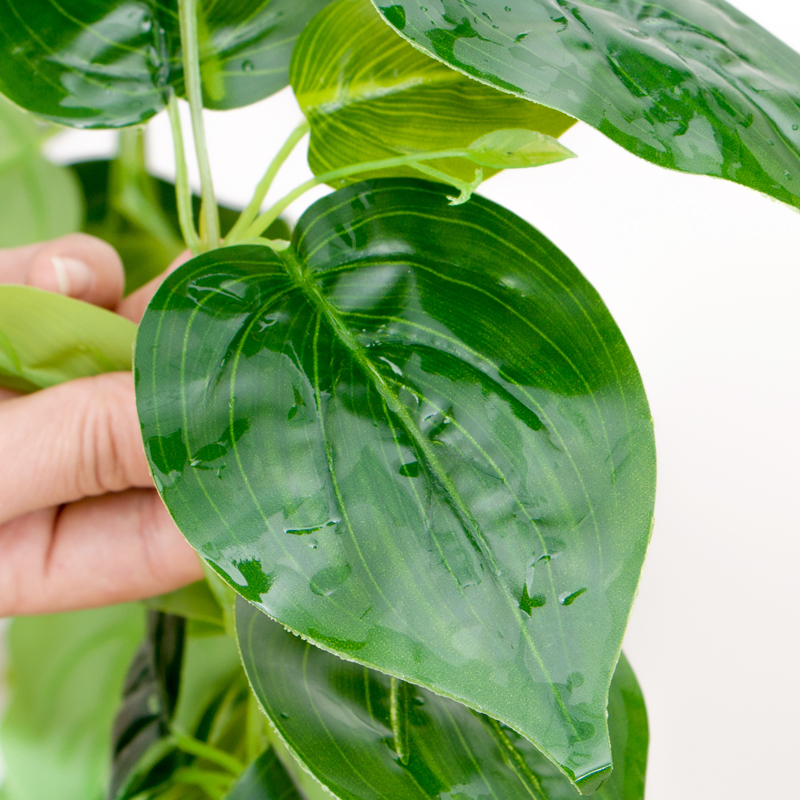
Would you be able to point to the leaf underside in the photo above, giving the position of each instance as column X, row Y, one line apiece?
column 418, row 439
column 47, row 338
column 337, row 719
column 693, row 85
column 368, row 95
column 111, row 63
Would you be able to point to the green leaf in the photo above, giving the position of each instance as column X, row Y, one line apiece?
column 195, row 601
column 40, row 200
column 693, row 85
column 146, row 244
column 205, row 706
column 47, row 339
column 150, row 695
column 515, row 148
column 336, row 718
column 368, row 96
column 417, row 438
column 265, row 779
column 66, row 673
column 110, row 63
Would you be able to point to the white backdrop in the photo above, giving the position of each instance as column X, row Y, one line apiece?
column 703, row 278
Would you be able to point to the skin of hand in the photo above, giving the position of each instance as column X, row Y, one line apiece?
column 80, row 522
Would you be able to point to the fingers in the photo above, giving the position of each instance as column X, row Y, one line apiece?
column 79, row 439
column 134, row 304
column 77, row 265
column 111, row 549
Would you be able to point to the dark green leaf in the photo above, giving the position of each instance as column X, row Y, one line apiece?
column 146, row 246
column 66, row 674
column 417, row 438
column 692, row 85
column 368, row 96
column 109, row 63
column 336, row 718
column 150, row 695
column 209, row 705
column 47, row 338
column 265, row 779
column 39, row 200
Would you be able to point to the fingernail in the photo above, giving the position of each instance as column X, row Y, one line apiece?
column 74, row 277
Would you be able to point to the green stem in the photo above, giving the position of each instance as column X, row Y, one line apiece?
column 270, row 215
column 207, row 752
column 251, row 212
column 209, row 227
column 183, row 192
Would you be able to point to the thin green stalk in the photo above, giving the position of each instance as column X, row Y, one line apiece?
column 207, row 752
column 270, row 215
column 251, row 212
column 183, row 192
column 209, row 228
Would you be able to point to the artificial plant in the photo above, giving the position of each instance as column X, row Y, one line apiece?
column 408, row 430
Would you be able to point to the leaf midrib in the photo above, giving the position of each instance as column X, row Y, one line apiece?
column 311, row 290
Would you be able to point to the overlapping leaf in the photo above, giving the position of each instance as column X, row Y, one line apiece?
column 369, row 95
column 40, row 200
column 109, row 63
column 693, row 85
column 66, row 676
column 338, row 720
column 416, row 437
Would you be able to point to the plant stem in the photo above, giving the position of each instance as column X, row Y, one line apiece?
column 183, row 192
column 270, row 215
column 209, row 226
column 207, row 752
column 251, row 212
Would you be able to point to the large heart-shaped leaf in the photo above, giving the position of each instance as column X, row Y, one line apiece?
column 368, row 95
column 342, row 721
column 47, row 338
column 39, row 200
column 693, row 85
column 417, row 438
column 66, row 674
column 109, row 63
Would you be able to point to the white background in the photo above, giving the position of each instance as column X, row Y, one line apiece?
column 703, row 278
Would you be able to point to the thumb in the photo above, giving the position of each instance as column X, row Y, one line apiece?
column 71, row 441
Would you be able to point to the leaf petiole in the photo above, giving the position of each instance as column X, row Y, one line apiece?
column 266, row 219
column 251, row 212
column 209, row 225
column 207, row 752
column 183, row 192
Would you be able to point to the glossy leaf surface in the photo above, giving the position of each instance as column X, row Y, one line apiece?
column 418, row 438
column 368, row 95
column 336, row 717
column 110, row 63
column 692, row 85
column 66, row 677
column 265, row 779
column 47, row 338
column 40, row 200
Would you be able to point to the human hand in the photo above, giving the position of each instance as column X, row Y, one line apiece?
column 80, row 522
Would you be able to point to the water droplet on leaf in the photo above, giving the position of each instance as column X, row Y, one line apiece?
column 568, row 598
column 247, row 65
